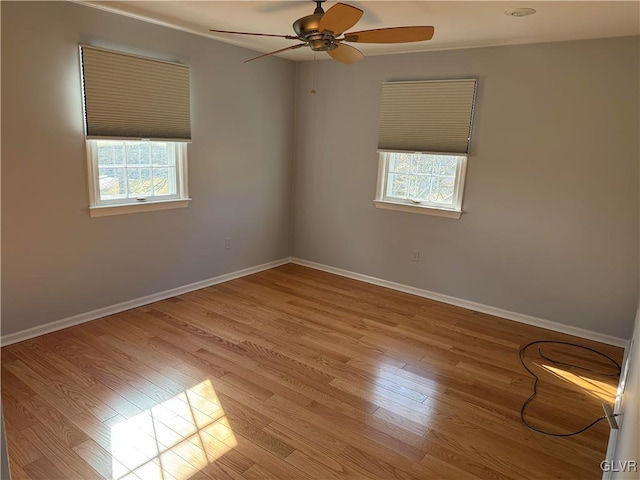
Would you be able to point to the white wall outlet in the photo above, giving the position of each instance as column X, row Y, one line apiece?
column 611, row 418
column 416, row 256
column 227, row 244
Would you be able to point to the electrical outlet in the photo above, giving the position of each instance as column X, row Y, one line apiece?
column 227, row 244
column 611, row 418
column 416, row 256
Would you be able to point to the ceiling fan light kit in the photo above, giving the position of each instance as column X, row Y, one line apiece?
column 321, row 32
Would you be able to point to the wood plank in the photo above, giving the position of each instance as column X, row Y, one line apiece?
column 63, row 457
column 22, row 451
column 42, row 469
column 276, row 466
column 100, row 459
column 17, row 472
column 66, row 396
column 54, row 421
column 16, row 414
column 367, row 427
column 297, row 373
column 321, row 466
column 13, row 386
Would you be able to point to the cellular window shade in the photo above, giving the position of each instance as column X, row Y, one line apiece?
column 131, row 97
column 427, row 116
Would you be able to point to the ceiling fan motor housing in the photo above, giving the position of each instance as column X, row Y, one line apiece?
column 307, row 30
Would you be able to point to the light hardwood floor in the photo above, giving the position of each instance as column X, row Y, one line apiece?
column 296, row 373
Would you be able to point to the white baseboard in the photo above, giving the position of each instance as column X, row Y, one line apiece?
column 136, row 302
column 478, row 307
column 156, row 297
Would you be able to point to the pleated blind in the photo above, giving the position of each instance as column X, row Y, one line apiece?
column 131, row 97
column 427, row 116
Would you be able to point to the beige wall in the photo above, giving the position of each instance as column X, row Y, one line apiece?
column 551, row 201
column 56, row 260
column 551, row 222
column 624, row 444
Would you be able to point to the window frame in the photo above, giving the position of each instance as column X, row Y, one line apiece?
column 100, row 208
column 384, row 201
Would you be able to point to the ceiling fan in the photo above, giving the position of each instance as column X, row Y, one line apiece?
column 322, row 33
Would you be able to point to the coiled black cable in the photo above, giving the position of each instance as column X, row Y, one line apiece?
column 536, row 379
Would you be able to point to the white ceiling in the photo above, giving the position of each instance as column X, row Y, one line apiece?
column 458, row 24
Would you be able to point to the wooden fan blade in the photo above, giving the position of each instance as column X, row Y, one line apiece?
column 291, row 37
column 277, row 51
column 346, row 54
column 391, row 35
column 339, row 18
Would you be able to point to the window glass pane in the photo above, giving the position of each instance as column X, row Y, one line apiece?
column 110, row 153
column 105, row 154
column 448, row 166
column 139, row 181
column 137, row 153
column 422, row 164
column 112, row 183
column 162, row 181
column 420, row 187
column 159, row 154
column 443, row 190
column 400, row 162
column 398, row 185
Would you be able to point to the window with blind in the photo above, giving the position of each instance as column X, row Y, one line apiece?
column 137, row 125
column 423, row 144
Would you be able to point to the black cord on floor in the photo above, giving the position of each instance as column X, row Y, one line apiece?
column 536, row 379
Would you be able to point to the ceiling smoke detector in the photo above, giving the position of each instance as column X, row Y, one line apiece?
column 520, row 12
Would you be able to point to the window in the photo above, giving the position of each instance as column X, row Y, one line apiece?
column 125, row 172
column 137, row 123
column 422, row 180
column 425, row 130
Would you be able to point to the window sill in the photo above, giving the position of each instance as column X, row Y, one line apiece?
column 107, row 210
column 423, row 210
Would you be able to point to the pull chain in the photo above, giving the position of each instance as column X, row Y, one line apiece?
column 313, row 75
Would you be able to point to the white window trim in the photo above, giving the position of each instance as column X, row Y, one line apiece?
column 405, row 207
column 390, row 203
column 108, row 210
column 97, row 209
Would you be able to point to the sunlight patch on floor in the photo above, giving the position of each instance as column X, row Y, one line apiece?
column 173, row 440
column 595, row 388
